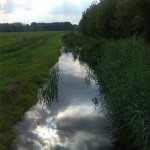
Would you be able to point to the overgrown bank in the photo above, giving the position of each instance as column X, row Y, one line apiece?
column 123, row 69
column 25, row 59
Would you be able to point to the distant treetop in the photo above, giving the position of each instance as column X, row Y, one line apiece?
column 20, row 27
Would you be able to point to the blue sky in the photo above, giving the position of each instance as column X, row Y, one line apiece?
column 27, row 11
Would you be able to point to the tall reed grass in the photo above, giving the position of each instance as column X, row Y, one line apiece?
column 123, row 69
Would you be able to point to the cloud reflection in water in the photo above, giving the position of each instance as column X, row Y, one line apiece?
column 73, row 123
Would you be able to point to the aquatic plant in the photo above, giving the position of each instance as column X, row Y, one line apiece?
column 49, row 91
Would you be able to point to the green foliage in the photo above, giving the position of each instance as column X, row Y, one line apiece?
column 123, row 69
column 49, row 91
column 125, row 74
column 20, row 27
column 132, row 17
column 25, row 59
column 105, row 17
column 117, row 18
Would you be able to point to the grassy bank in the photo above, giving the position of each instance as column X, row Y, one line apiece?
column 25, row 59
column 123, row 69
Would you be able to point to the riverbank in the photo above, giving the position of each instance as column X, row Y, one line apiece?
column 25, row 59
column 122, row 67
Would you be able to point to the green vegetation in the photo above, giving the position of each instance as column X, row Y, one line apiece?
column 25, row 59
column 123, row 69
column 117, row 18
column 122, row 65
column 49, row 91
column 21, row 27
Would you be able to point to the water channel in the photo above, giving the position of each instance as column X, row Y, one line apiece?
column 69, row 113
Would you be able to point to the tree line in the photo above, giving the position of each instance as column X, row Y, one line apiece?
column 117, row 19
column 20, row 27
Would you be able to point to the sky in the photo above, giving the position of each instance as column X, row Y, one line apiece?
column 27, row 11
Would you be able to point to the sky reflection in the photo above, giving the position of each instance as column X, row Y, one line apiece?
column 71, row 124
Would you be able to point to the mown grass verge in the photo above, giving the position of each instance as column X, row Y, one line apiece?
column 25, row 59
column 123, row 69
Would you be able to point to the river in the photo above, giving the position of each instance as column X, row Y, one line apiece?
column 69, row 114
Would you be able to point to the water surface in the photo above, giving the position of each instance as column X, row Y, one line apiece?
column 71, row 119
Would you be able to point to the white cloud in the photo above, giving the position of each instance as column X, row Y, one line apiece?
column 27, row 11
column 10, row 6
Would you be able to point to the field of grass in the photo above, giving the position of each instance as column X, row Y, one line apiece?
column 123, row 69
column 25, row 59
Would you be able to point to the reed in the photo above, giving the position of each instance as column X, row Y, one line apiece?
column 49, row 91
column 123, row 69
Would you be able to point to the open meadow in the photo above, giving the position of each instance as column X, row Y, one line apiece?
column 25, row 58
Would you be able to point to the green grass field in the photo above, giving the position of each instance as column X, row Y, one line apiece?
column 25, row 59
